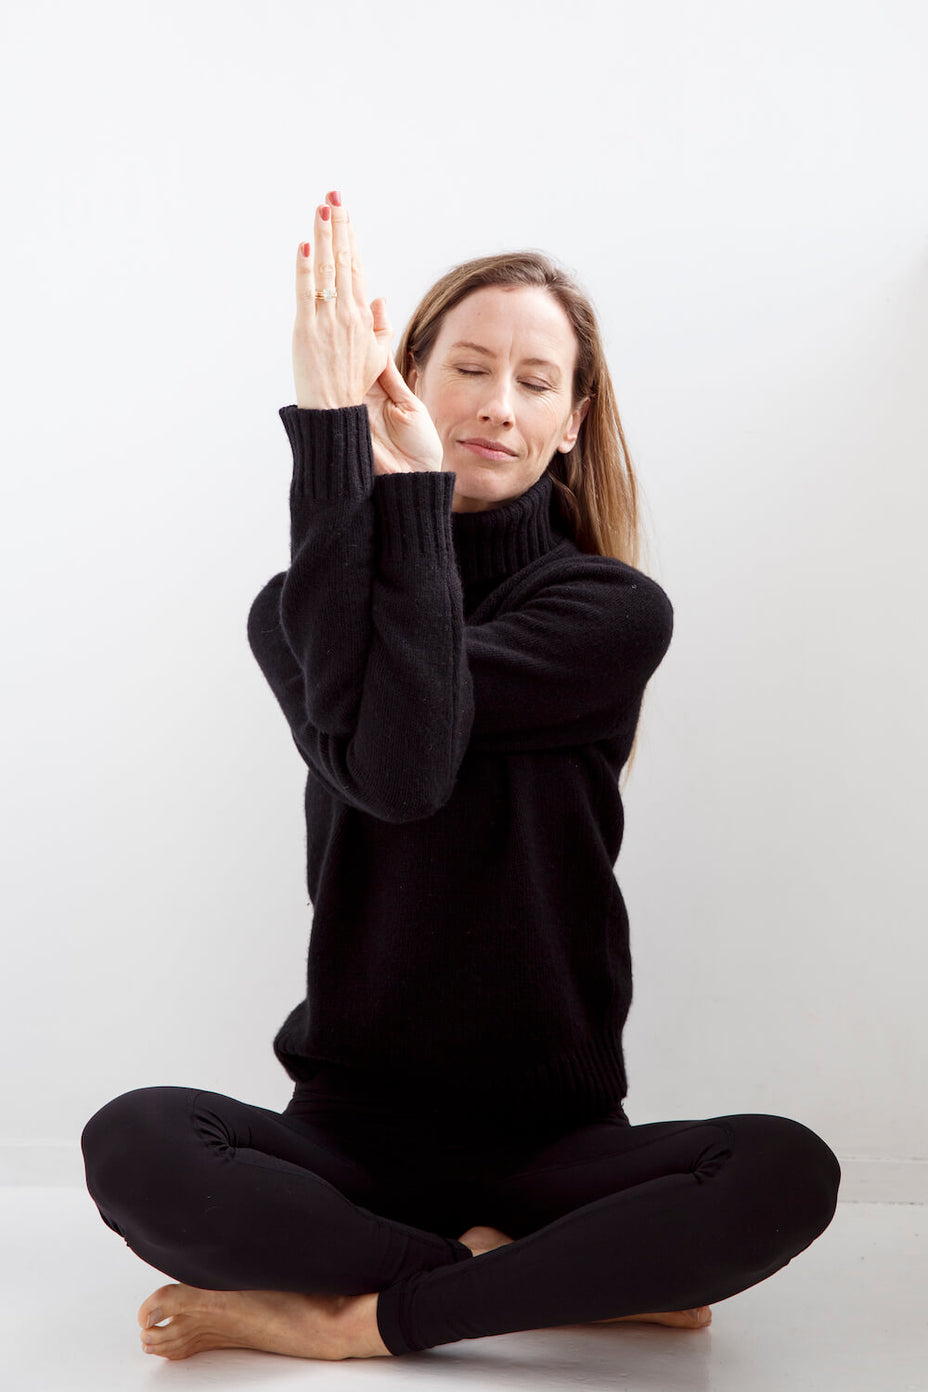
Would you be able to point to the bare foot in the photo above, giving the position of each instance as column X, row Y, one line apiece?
column 303, row 1326
column 678, row 1319
column 482, row 1239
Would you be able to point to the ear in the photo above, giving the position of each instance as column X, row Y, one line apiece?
column 577, row 417
column 413, row 378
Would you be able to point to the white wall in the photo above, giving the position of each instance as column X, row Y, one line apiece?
column 741, row 189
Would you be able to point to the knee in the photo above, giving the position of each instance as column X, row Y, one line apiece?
column 123, row 1139
column 815, row 1174
column 799, row 1171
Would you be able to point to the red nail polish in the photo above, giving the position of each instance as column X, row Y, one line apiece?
column 304, row 248
column 326, row 213
column 336, row 198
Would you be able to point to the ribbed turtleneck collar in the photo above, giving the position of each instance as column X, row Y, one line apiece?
column 499, row 541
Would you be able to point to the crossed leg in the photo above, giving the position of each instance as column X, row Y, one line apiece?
column 607, row 1222
column 483, row 1239
column 613, row 1220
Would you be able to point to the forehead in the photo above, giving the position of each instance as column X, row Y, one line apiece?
column 523, row 321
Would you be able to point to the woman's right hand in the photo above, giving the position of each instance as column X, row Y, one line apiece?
column 339, row 351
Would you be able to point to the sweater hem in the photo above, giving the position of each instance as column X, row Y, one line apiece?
column 585, row 1081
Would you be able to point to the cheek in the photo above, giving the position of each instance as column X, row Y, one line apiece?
column 450, row 405
column 457, row 397
column 545, row 427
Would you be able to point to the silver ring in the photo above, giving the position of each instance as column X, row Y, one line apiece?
column 327, row 294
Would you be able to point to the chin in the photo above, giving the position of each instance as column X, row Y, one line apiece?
column 476, row 494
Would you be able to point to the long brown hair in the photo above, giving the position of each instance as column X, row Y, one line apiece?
column 595, row 482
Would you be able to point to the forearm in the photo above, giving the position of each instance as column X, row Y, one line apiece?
column 325, row 599
column 368, row 658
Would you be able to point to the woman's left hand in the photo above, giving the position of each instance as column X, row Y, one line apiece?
column 403, row 433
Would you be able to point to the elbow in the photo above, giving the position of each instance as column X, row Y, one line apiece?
column 391, row 780
column 398, row 815
column 394, row 799
column 408, row 788
column 412, row 804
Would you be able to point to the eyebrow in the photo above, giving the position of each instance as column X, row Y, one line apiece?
column 479, row 348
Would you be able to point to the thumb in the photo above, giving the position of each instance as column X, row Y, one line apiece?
column 396, row 387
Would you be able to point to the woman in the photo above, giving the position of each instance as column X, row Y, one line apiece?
column 460, row 646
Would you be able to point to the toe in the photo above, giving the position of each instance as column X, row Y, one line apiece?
column 159, row 1304
column 172, row 1341
column 159, row 1335
column 164, row 1350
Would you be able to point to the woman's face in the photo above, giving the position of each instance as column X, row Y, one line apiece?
column 493, row 390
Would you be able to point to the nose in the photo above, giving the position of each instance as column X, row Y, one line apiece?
column 497, row 405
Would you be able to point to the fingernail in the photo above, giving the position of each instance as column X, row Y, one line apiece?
column 336, row 198
column 154, row 1317
column 326, row 213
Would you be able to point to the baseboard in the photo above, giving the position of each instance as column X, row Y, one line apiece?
column 54, row 1166
column 862, row 1180
column 883, row 1181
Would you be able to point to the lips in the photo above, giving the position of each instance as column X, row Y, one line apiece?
column 488, row 444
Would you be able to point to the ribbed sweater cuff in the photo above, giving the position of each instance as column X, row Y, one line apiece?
column 332, row 453
column 415, row 516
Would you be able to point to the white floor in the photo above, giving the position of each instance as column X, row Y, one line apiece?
column 846, row 1315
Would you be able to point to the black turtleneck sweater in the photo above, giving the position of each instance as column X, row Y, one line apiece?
column 464, row 689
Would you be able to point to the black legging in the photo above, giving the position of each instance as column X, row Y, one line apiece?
column 346, row 1197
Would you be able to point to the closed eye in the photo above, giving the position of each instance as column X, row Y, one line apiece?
column 470, row 372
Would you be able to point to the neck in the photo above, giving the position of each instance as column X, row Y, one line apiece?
column 498, row 541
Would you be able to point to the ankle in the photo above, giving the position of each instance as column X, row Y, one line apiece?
column 358, row 1332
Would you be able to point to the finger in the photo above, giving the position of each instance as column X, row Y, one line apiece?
column 341, row 253
column 360, row 289
column 393, row 383
column 325, row 263
column 305, row 281
column 381, row 324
